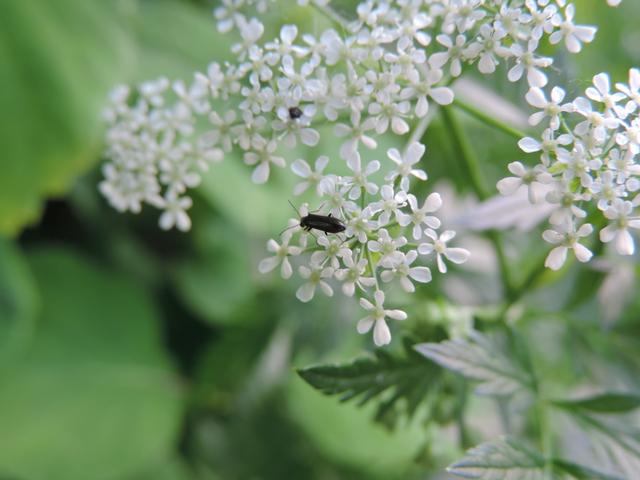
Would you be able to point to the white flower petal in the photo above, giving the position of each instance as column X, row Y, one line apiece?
column 306, row 291
column 365, row 324
column 381, row 333
column 556, row 258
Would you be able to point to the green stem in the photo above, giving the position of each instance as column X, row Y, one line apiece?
column 471, row 166
column 487, row 118
column 332, row 15
column 464, row 153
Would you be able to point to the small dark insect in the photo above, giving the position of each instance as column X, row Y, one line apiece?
column 295, row 112
column 324, row 223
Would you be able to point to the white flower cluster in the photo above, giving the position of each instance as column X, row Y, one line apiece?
column 374, row 249
column 380, row 77
column 588, row 159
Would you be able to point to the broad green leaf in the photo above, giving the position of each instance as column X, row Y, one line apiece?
column 508, row 458
column 582, row 472
column 410, row 377
column 477, row 359
column 58, row 61
column 94, row 396
column 609, row 402
column 18, row 301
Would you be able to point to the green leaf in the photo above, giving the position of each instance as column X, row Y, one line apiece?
column 582, row 472
column 477, row 359
column 616, row 441
column 410, row 376
column 506, row 458
column 95, row 395
column 608, row 402
column 58, row 61
column 18, row 301
column 345, row 435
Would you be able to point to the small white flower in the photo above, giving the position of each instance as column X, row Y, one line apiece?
column 359, row 179
column 619, row 214
column 293, row 127
column 578, row 165
column 536, row 98
column 632, row 90
column 337, row 193
column 381, row 332
column 568, row 240
column 361, row 225
column 487, row 47
column 423, row 87
column 573, row 34
column 333, row 250
column 549, row 144
column 419, row 215
column 390, row 203
column 302, row 169
column 453, row 54
column 281, row 48
column 262, row 156
column 566, row 201
column 390, row 112
column 531, row 177
column 525, row 60
column 439, row 246
column 388, row 248
column 353, row 275
column 316, row 275
column 228, row 15
column 405, row 167
column 402, row 270
column 600, row 93
column 175, row 212
column 248, row 132
column 282, row 253
column 356, row 134
column 222, row 134
column 250, row 32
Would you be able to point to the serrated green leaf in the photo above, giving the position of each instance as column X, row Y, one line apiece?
column 582, row 472
column 369, row 377
column 608, row 402
column 477, row 359
column 508, row 458
column 618, row 442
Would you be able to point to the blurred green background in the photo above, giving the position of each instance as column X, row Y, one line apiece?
column 129, row 353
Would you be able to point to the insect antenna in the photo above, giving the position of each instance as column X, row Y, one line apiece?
column 293, row 226
column 294, row 209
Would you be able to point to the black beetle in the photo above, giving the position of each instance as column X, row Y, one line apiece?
column 324, row 223
column 295, row 112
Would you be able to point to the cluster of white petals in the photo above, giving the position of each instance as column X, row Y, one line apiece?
column 379, row 73
column 588, row 163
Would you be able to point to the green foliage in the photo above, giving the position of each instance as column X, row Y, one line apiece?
column 608, row 402
column 409, row 376
column 51, row 89
column 478, row 359
column 506, row 458
column 582, row 472
column 93, row 371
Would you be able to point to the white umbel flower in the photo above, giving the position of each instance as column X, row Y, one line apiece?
column 316, row 275
column 282, row 253
column 568, row 240
column 439, row 246
column 381, row 332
